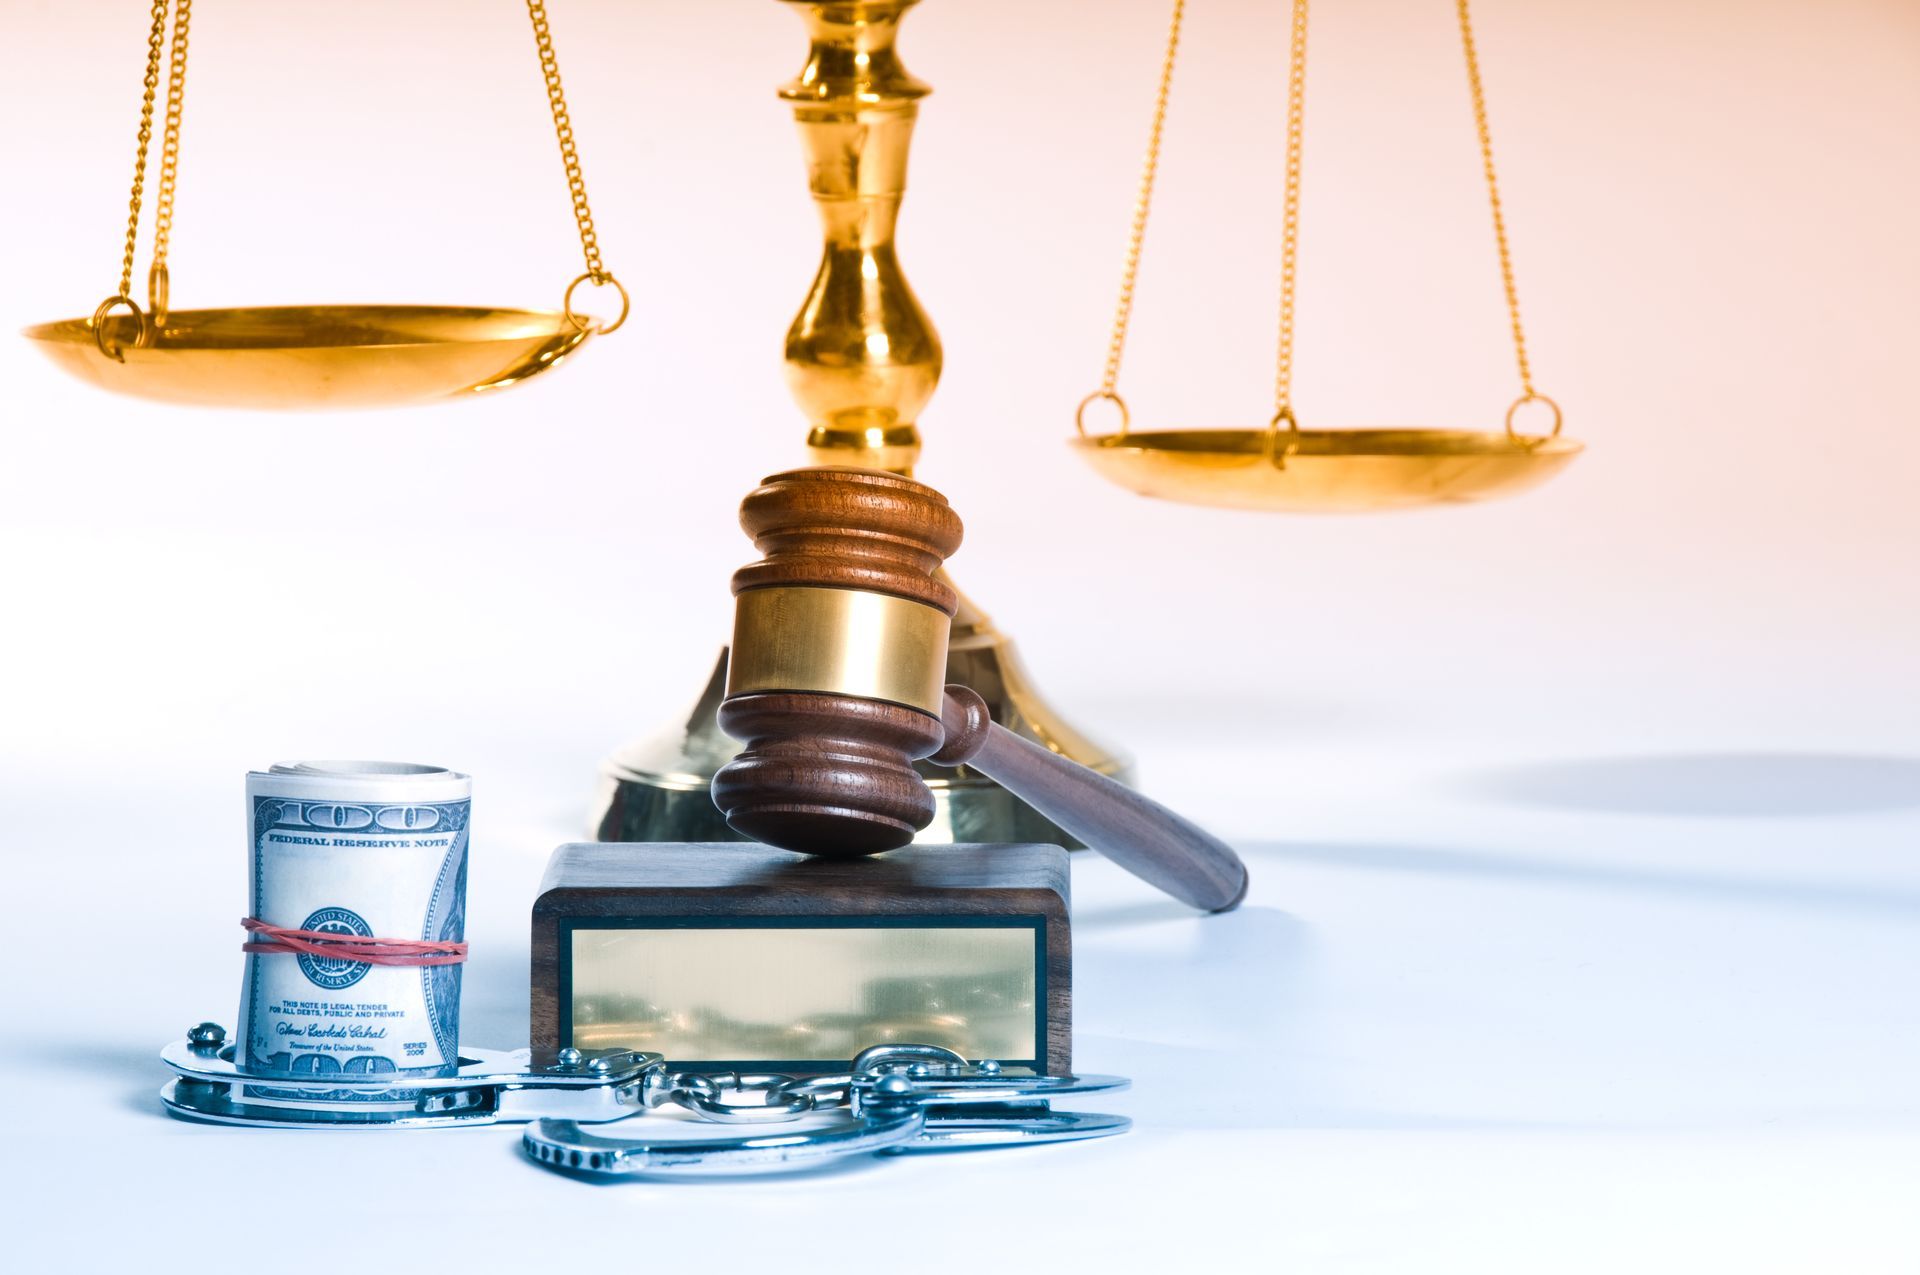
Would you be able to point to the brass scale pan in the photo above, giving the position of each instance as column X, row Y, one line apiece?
column 324, row 357
column 316, row 356
column 1329, row 470
column 1284, row 468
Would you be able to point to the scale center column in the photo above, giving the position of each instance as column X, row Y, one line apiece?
column 862, row 357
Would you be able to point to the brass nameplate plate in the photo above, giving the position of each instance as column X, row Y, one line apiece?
column 806, row 990
column 840, row 641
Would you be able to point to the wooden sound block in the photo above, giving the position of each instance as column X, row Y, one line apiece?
column 730, row 956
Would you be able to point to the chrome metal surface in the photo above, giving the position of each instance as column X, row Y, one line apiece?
column 1007, row 1125
column 490, row 1086
column 563, row 1144
column 892, row 1098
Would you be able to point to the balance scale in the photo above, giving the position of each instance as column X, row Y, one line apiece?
column 862, row 359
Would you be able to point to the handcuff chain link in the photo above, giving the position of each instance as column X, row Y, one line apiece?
column 785, row 1097
column 709, row 1097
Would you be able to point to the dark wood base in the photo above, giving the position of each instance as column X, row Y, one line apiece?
column 794, row 961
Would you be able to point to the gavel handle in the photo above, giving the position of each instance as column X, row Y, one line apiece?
column 1136, row 832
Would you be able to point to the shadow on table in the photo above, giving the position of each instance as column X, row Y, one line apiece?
column 1243, row 986
column 135, row 1073
column 1867, row 899
column 1239, row 986
column 1757, row 785
column 1233, row 984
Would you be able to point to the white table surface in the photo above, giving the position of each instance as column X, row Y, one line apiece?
column 1481, row 1029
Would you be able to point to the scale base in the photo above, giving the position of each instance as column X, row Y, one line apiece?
column 657, row 789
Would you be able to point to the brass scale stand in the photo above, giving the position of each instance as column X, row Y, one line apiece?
column 862, row 360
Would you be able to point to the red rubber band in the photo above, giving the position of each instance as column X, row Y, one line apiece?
column 339, row 947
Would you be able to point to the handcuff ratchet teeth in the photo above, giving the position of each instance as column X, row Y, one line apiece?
column 892, row 1099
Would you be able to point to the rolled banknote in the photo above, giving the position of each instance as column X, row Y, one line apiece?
column 357, row 923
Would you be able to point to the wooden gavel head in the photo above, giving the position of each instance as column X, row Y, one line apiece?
column 837, row 675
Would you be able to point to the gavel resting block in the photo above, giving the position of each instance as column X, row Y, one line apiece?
column 732, row 956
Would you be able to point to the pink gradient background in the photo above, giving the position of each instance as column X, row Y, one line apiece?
column 1710, row 207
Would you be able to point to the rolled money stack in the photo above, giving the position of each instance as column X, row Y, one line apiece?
column 366, row 850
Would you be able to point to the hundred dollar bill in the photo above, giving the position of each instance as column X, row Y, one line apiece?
column 363, row 850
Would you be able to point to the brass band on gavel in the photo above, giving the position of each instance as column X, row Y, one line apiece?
column 842, row 642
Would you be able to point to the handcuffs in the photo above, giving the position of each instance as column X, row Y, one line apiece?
column 892, row 1099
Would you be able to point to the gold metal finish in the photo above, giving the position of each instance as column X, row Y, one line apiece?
column 1499, row 217
column 1290, row 219
column 156, row 41
column 743, row 992
column 968, row 805
column 597, row 273
column 862, row 359
column 1284, row 467
column 110, row 345
column 1137, row 232
column 1522, row 401
column 157, row 275
column 1326, row 470
column 842, row 641
column 288, row 357
column 322, row 357
column 1100, row 396
column 584, row 322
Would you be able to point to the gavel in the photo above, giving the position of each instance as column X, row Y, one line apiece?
column 836, row 687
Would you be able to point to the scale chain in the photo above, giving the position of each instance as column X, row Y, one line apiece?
column 157, row 280
column 169, row 166
column 1136, row 236
column 122, row 296
column 1283, row 413
column 157, row 275
column 778, row 1098
column 1527, row 393
column 1290, row 222
column 597, row 273
column 1493, row 194
column 156, row 41
column 1143, row 205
